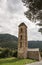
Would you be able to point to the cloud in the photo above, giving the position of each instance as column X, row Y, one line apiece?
column 15, row 6
column 11, row 15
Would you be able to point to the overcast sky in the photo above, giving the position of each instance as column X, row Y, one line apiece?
column 11, row 15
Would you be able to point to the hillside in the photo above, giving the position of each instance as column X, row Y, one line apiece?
column 35, row 44
column 10, row 41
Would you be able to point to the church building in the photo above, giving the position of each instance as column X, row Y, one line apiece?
column 23, row 50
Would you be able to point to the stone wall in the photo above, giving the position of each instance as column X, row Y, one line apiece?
column 34, row 55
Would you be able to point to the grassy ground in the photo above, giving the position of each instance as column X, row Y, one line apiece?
column 15, row 61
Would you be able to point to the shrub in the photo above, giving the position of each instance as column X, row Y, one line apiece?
column 6, row 53
column 15, row 54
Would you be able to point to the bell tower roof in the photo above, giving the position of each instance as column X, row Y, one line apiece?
column 23, row 24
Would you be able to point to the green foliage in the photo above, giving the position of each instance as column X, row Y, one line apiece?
column 34, row 6
column 5, row 53
column 15, row 61
column 34, row 11
column 15, row 54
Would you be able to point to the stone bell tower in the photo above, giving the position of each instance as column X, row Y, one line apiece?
column 22, row 41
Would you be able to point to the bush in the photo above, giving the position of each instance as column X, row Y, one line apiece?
column 15, row 54
column 6, row 53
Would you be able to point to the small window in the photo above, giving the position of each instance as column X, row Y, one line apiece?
column 21, row 37
column 21, row 29
column 20, row 44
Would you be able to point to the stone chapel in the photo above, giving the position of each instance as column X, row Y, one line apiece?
column 23, row 50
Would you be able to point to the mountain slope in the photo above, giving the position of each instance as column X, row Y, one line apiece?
column 7, row 40
column 35, row 44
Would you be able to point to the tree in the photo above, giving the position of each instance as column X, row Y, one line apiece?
column 34, row 11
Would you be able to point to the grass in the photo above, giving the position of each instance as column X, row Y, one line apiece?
column 15, row 61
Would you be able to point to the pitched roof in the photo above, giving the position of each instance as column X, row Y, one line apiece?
column 22, row 24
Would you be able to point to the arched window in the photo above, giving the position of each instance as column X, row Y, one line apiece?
column 20, row 44
column 21, row 37
column 21, row 29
